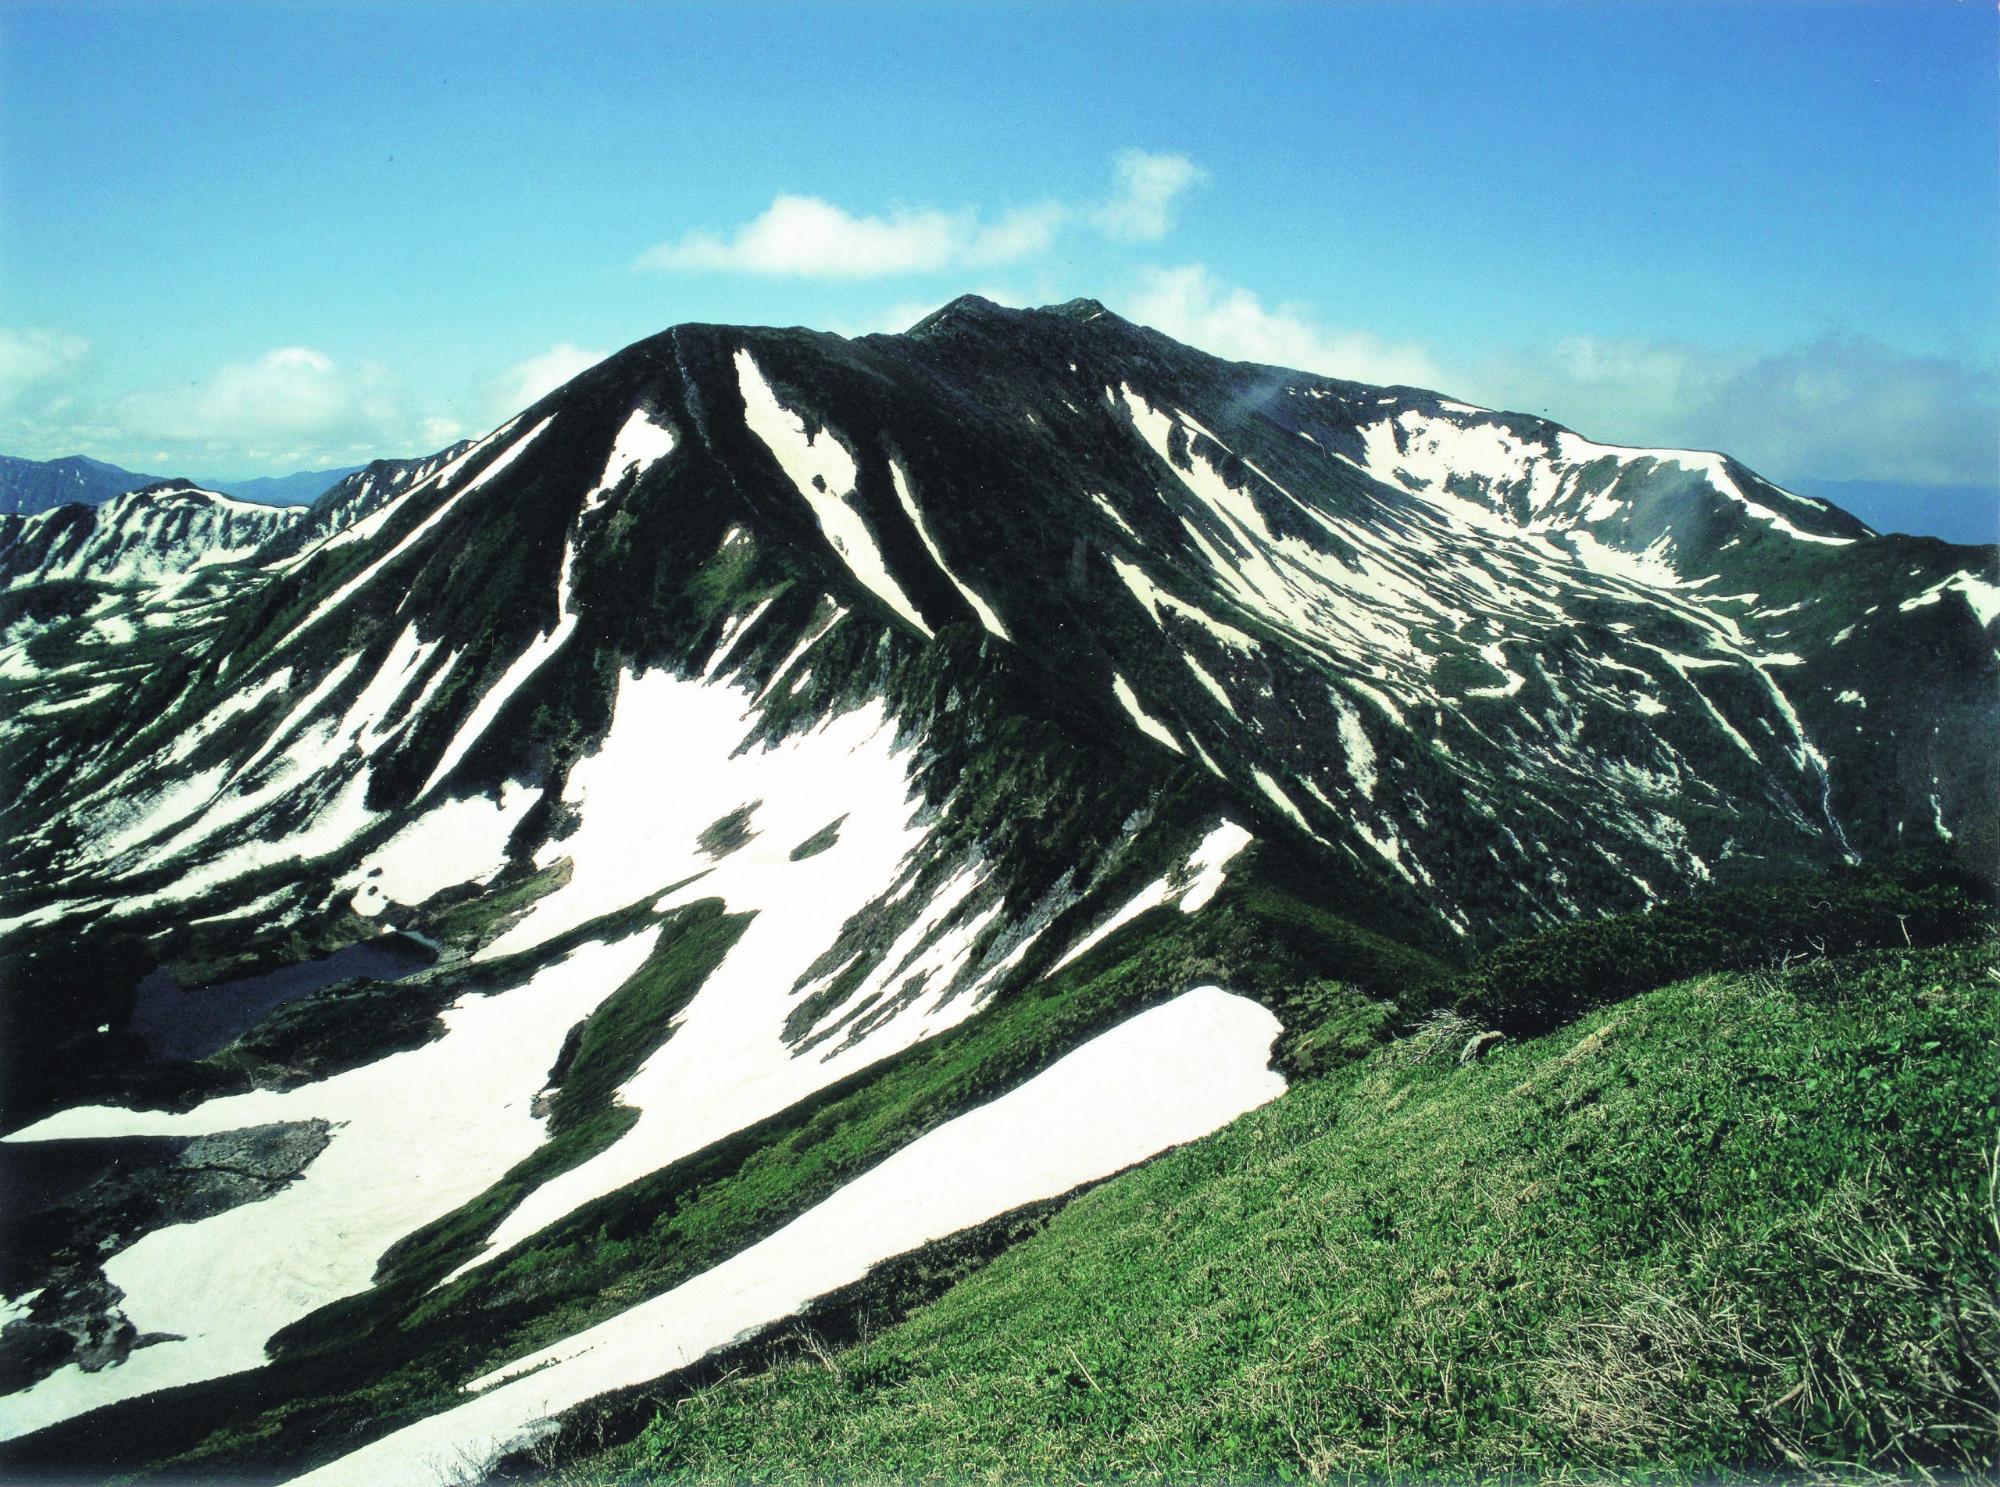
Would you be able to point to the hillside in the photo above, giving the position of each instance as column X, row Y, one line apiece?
column 1738, row 1225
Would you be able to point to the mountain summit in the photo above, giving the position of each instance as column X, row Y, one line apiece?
column 764, row 720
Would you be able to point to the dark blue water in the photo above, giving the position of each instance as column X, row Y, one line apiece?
column 192, row 1024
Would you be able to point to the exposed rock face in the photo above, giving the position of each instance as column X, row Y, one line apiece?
column 75, row 1316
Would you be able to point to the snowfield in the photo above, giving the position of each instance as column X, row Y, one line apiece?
column 416, row 1135
column 1162, row 1078
column 728, row 1064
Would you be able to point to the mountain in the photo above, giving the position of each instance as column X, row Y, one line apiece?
column 28, row 486
column 359, row 493
column 88, row 593
column 858, row 794
column 300, row 489
column 167, row 528
column 155, row 559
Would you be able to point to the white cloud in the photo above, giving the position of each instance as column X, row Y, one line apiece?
column 1839, row 407
column 805, row 237
column 1148, row 189
column 31, row 357
column 293, row 395
column 1853, row 408
column 527, row 381
column 294, row 407
column 1621, row 390
column 291, row 408
column 1189, row 304
column 809, row 237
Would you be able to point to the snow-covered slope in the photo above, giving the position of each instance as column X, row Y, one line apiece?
column 1167, row 1076
column 159, row 531
column 1522, row 674
column 358, row 495
column 795, row 744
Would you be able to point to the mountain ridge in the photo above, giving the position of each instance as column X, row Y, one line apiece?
column 28, row 487
column 933, row 581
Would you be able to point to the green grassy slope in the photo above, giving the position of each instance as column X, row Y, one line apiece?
column 1745, row 1222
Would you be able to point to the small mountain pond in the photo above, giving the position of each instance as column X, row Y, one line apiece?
column 195, row 1022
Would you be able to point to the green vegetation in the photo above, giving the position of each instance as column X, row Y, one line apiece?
column 1531, row 985
column 1458, row 672
column 601, row 1053
column 819, row 841
column 728, row 833
column 470, row 918
column 639, row 1017
column 1744, row 1223
column 1368, row 1044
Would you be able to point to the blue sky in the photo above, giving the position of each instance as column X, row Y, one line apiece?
column 243, row 239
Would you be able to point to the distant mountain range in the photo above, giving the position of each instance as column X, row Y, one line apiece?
column 28, row 486
column 299, row 489
column 173, row 527
column 41, row 485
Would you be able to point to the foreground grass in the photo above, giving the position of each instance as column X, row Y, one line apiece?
column 1744, row 1223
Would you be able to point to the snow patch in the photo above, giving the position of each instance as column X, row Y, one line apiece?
column 640, row 443
column 1150, row 726
column 979, row 606
column 1170, row 1075
column 1207, row 863
column 824, row 473
column 1215, row 688
column 1278, row 797
column 460, row 841
column 728, row 1063
column 1980, row 595
column 1355, row 745
column 416, row 1135
column 538, row 653
column 416, row 534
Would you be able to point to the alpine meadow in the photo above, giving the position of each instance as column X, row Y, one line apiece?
column 1019, row 892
